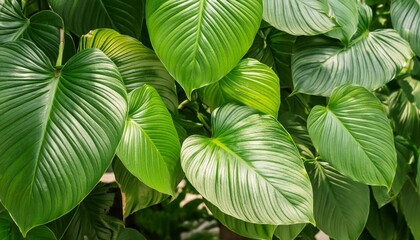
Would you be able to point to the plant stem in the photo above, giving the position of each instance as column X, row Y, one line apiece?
column 60, row 49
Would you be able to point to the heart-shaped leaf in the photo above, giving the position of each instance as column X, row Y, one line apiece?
column 9, row 230
column 250, row 83
column 149, row 148
column 249, row 161
column 405, row 16
column 137, row 64
column 200, row 41
column 55, row 124
column 341, row 205
column 81, row 16
column 353, row 134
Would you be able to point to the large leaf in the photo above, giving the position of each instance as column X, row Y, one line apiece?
column 149, row 148
column 411, row 208
column 345, row 14
column 250, row 83
column 81, row 16
column 298, row 17
column 9, row 231
column 405, row 15
column 353, row 134
column 381, row 222
column 246, row 229
column 59, row 129
column 42, row 28
column 373, row 59
column 287, row 232
column 249, row 161
column 341, row 205
column 137, row 64
column 136, row 195
column 200, row 41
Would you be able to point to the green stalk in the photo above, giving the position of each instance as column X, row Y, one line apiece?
column 60, row 49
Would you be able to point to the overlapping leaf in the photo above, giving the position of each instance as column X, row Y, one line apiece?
column 411, row 208
column 55, row 125
column 137, row 64
column 149, row 148
column 200, row 41
column 249, row 161
column 287, row 232
column 405, row 15
column 250, row 83
column 353, row 134
column 341, row 205
column 9, row 230
column 81, row 16
column 381, row 222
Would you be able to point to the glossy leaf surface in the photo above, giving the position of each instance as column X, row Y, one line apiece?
column 405, row 15
column 249, row 160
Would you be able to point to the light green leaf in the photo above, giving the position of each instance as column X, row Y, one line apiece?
column 405, row 16
column 200, row 41
column 346, row 15
column 136, row 195
column 353, row 134
column 137, row 64
column 287, row 232
column 299, row 17
column 411, row 208
column 125, row 16
column 55, row 124
column 246, row 229
column 149, row 148
column 373, row 59
column 250, row 83
column 249, row 161
column 381, row 222
column 341, row 205
column 9, row 230
column 130, row 234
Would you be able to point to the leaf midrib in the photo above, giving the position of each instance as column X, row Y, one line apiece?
column 200, row 17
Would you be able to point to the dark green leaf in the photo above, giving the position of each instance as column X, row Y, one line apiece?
column 130, row 234
column 54, row 125
column 381, row 222
column 405, row 15
column 287, row 232
column 9, row 231
column 200, row 36
column 353, row 134
column 249, row 161
column 410, row 200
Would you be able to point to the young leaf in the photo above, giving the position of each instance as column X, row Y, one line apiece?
column 55, row 124
column 200, row 41
column 353, row 134
column 246, row 229
column 81, row 16
column 149, row 148
column 136, row 195
column 411, row 208
column 250, row 83
column 137, row 64
column 341, row 205
column 287, row 232
column 9, row 230
column 249, row 161
column 405, row 16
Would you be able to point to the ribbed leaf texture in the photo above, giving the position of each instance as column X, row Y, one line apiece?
column 405, row 15
column 9, row 230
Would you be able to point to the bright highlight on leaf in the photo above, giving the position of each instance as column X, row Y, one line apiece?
column 200, row 41
column 405, row 15
column 354, row 135
column 249, row 161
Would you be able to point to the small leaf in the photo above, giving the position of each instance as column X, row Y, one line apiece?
column 201, row 41
column 411, row 208
column 249, row 161
column 250, row 83
column 136, row 195
column 353, row 134
column 246, row 229
column 341, row 205
column 9, row 231
column 405, row 16
column 149, row 148
column 287, row 232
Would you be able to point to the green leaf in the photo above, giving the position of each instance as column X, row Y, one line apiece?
column 149, row 148
column 298, row 17
column 200, row 36
column 287, row 232
column 9, row 231
column 42, row 28
column 353, row 134
column 136, row 195
column 405, row 16
column 345, row 13
column 130, row 234
column 381, row 222
column 125, row 16
column 90, row 219
column 137, row 64
column 1, row 208
column 250, row 83
column 64, row 122
column 249, row 161
column 373, row 59
column 341, row 205
column 246, row 229
column 411, row 208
